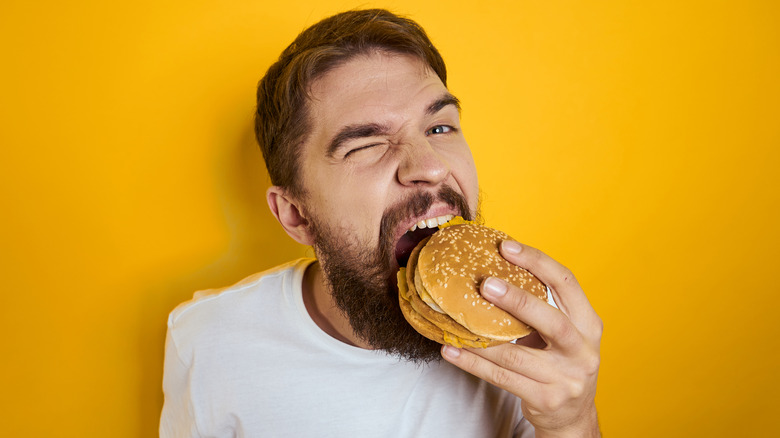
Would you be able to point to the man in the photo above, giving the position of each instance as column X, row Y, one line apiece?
column 362, row 141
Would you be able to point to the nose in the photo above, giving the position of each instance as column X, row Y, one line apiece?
column 422, row 165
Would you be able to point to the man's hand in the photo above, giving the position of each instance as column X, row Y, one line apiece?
column 553, row 371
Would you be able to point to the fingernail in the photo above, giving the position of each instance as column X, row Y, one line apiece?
column 451, row 352
column 493, row 288
column 511, row 247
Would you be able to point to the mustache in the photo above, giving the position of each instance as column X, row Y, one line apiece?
column 415, row 205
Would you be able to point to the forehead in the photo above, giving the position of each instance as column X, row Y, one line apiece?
column 377, row 87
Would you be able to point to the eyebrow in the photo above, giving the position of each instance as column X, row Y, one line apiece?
column 363, row 130
column 440, row 103
column 351, row 132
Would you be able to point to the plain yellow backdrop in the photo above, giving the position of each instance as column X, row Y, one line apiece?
column 635, row 142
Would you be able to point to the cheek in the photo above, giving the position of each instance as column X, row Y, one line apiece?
column 465, row 173
column 364, row 188
column 353, row 202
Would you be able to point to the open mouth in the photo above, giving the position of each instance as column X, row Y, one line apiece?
column 415, row 235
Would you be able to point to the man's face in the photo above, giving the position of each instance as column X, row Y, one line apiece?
column 385, row 152
column 395, row 140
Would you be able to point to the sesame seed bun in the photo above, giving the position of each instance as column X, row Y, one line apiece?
column 439, row 288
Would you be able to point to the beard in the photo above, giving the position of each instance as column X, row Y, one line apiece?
column 362, row 280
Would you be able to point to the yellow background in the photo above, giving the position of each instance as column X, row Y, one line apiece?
column 636, row 142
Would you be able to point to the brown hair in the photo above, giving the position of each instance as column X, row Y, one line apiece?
column 281, row 120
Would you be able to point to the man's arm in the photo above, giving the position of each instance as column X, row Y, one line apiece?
column 177, row 419
column 556, row 379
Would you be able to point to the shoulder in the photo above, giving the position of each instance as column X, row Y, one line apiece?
column 213, row 312
column 211, row 300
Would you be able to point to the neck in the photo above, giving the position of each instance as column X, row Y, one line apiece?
column 323, row 310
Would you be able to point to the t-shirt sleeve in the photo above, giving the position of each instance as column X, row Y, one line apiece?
column 178, row 416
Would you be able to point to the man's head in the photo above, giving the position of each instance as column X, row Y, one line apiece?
column 378, row 149
column 282, row 120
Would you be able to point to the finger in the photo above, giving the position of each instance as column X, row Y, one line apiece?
column 488, row 371
column 554, row 327
column 525, row 361
column 566, row 289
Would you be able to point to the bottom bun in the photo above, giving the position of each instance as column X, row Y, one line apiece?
column 431, row 330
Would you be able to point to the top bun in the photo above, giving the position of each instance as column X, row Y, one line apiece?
column 452, row 265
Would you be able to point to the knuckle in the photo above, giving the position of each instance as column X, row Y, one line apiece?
column 576, row 388
column 514, row 356
column 564, row 330
column 535, row 256
column 592, row 364
column 521, row 302
column 567, row 276
column 501, row 377
column 554, row 401
column 599, row 327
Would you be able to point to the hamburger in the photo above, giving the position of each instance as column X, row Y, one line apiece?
column 438, row 289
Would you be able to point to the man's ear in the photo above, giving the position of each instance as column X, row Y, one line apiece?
column 288, row 212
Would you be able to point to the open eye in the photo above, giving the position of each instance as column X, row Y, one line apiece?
column 440, row 129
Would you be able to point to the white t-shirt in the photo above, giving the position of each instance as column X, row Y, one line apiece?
column 248, row 361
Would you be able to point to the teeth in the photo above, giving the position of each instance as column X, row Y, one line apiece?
column 432, row 222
